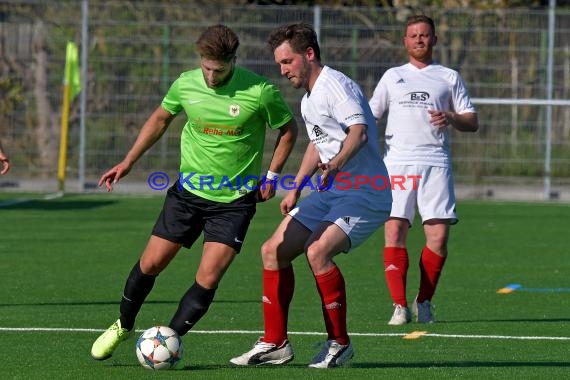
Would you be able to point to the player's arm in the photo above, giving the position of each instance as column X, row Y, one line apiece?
column 356, row 137
column 4, row 162
column 283, row 147
column 379, row 100
column 464, row 122
column 152, row 130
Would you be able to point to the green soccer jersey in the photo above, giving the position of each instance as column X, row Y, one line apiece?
column 222, row 141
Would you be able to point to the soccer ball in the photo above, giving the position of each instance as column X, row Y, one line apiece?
column 159, row 347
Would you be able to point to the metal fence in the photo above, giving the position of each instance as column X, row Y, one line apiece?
column 516, row 63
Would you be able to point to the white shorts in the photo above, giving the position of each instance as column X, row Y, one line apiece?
column 357, row 215
column 431, row 192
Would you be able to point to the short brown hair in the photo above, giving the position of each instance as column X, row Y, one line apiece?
column 300, row 37
column 218, row 42
column 416, row 19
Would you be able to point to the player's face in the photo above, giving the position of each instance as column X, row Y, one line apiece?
column 216, row 73
column 419, row 41
column 293, row 66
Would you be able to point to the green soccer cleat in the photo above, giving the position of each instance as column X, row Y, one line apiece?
column 108, row 341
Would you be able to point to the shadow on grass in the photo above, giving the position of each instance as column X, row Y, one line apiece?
column 117, row 302
column 371, row 365
column 522, row 320
column 464, row 364
column 55, row 204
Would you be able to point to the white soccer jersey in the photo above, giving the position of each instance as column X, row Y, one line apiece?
column 409, row 92
column 335, row 103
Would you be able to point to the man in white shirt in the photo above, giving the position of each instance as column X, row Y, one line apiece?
column 423, row 99
column 350, row 203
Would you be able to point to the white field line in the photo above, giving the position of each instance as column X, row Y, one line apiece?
column 253, row 332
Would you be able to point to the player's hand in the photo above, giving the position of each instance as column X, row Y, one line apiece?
column 329, row 173
column 4, row 164
column 265, row 190
column 289, row 201
column 439, row 119
column 114, row 175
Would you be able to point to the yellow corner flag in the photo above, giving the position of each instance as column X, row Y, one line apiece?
column 72, row 70
column 71, row 87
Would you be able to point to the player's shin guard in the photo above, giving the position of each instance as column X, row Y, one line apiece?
column 191, row 308
column 331, row 288
column 137, row 287
column 278, row 288
column 396, row 263
column 431, row 265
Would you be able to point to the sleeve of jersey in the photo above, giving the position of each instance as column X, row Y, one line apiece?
column 171, row 101
column 348, row 112
column 461, row 100
column 379, row 101
column 276, row 111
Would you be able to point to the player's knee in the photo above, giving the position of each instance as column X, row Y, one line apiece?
column 210, row 280
column 395, row 232
column 317, row 258
column 437, row 242
column 269, row 252
column 151, row 267
column 438, row 246
column 394, row 240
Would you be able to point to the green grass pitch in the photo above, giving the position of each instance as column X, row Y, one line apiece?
column 64, row 262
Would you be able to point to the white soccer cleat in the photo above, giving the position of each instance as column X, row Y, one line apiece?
column 423, row 311
column 401, row 316
column 265, row 353
column 332, row 355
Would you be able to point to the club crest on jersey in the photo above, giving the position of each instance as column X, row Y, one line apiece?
column 234, row 110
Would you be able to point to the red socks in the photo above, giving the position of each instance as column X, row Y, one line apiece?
column 332, row 290
column 396, row 264
column 431, row 265
column 278, row 287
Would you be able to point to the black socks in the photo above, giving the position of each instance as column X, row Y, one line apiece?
column 192, row 308
column 138, row 286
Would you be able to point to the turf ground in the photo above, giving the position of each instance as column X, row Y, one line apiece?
column 64, row 262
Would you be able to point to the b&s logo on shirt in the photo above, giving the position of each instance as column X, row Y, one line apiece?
column 317, row 131
column 320, row 136
column 416, row 99
column 419, row 96
column 234, row 110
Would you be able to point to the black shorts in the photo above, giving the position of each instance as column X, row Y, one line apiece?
column 185, row 215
